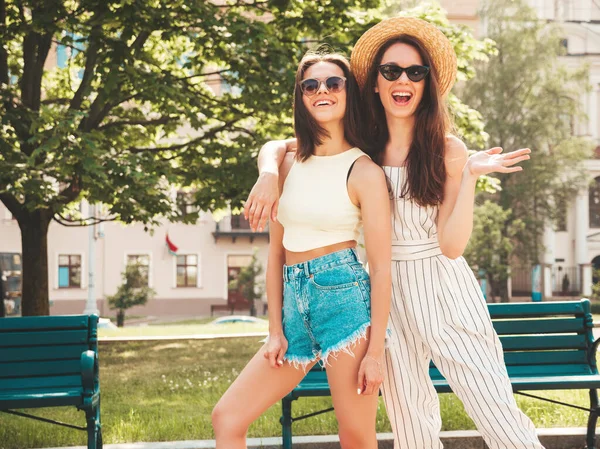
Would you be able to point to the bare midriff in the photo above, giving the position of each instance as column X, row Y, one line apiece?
column 293, row 258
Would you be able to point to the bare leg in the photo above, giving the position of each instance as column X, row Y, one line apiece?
column 258, row 387
column 356, row 414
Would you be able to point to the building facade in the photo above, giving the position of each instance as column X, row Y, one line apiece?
column 186, row 281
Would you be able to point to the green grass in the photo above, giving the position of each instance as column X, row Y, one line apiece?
column 164, row 391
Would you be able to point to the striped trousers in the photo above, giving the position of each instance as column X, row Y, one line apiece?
column 438, row 313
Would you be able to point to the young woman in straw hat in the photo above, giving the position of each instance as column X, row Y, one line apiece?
column 320, row 302
column 405, row 68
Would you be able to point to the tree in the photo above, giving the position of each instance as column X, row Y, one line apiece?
column 134, row 291
column 492, row 246
column 249, row 284
column 132, row 113
column 528, row 97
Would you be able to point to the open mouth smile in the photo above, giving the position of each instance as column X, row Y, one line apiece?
column 323, row 103
column 402, row 98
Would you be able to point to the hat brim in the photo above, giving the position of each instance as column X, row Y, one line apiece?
column 437, row 45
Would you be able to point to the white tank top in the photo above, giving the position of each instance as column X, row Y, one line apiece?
column 315, row 209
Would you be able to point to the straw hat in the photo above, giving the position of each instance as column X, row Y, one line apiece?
column 441, row 52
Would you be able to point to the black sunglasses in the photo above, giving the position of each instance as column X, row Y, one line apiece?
column 392, row 72
column 311, row 86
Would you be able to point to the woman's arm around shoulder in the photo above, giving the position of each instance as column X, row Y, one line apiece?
column 264, row 197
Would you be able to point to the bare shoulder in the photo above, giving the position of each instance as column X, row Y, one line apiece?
column 455, row 148
column 456, row 155
column 367, row 173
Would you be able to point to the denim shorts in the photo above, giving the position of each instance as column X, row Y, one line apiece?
column 326, row 307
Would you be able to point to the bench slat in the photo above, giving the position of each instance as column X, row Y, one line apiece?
column 26, row 369
column 518, row 310
column 41, row 353
column 42, row 323
column 542, row 358
column 40, row 382
column 24, row 339
column 540, row 326
column 535, row 371
column 545, row 357
column 533, row 342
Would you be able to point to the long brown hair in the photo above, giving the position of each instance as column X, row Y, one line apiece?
column 426, row 171
column 308, row 131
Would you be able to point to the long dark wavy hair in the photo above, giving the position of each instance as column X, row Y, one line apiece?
column 426, row 171
column 308, row 131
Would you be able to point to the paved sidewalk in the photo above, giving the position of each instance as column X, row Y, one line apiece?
column 560, row 438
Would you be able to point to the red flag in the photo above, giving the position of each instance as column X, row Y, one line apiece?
column 172, row 248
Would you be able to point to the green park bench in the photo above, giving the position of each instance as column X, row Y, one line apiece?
column 547, row 346
column 51, row 361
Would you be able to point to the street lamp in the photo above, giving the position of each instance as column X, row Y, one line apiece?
column 90, row 306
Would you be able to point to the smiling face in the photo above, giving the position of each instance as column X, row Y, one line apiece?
column 400, row 98
column 325, row 105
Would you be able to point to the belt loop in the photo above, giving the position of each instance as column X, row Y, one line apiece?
column 306, row 270
column 285, row 274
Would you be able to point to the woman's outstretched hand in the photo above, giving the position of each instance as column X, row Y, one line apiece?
column 492, row 160
column 262, row 201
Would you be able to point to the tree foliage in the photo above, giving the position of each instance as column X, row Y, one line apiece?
column 492, row 245
column 134, row 111
column 153, row 95
column 530, row 98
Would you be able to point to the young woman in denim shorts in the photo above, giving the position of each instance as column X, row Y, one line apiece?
column 322, row 305
column 405, row 68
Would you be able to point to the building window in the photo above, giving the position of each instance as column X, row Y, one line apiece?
column 187, row 270
column 185, row 204
column 594, row 203
column 69, row 271
column 239, row 223
column 143, row 261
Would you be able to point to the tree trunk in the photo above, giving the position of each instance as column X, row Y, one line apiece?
column 503, row 291
column 121, row 318
column 493, row 290
column 34, row 244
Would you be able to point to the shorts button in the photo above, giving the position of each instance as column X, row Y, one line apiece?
column 356, row 283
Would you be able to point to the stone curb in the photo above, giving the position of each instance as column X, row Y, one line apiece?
column 559, row 438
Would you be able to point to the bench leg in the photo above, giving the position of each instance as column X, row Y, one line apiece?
column 94, row 429
column 286, row 422
column 593, row 418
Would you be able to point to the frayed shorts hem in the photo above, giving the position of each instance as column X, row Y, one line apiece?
column 346, row 345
